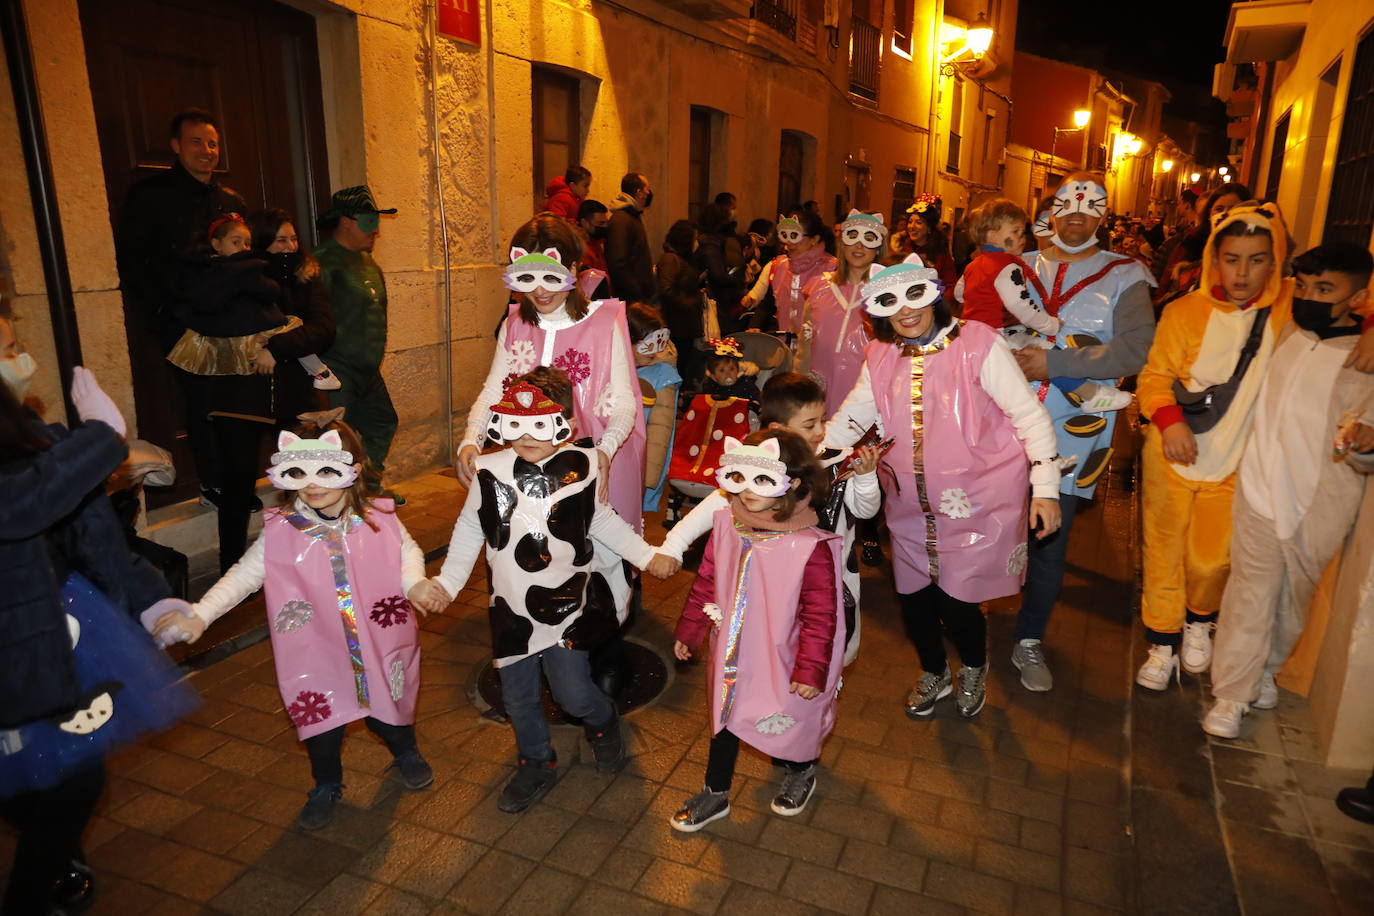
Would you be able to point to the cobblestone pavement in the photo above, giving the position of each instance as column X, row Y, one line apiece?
column 1022, row 810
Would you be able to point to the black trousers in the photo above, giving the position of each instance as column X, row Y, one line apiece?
column 50, row 823
column 200, row 435
column 927, row 612
column 326, row 748
column 238, row 451
column 720, row 761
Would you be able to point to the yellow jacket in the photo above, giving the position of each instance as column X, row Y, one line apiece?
column 1198, row 342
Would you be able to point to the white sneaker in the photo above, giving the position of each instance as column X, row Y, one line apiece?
column 1269, row 692
column 1160, row 666
column 1224, row 718
column 1197, row 647
column 1105, row 400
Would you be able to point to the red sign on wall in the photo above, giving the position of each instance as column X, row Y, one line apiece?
column 462, row 20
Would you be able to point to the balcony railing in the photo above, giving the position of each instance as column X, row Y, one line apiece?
column 865, row 41
column 778, row 15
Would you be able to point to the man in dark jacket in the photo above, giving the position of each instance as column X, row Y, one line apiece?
column 161, row 216
column 356, row 290
column 628, row 258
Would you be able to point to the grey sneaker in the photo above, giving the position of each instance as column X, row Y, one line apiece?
column 797, row 789
column 973, row 690
column 930, row 689
column 415, row 772
column 700, row 810
column 1029, row 659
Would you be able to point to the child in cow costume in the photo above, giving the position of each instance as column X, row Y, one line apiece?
column 535, row 507
column 777, row 637
column 342, row 579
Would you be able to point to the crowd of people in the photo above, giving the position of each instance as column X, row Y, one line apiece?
column 800, row 385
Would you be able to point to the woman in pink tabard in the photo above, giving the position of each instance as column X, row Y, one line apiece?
column 973, row 447
column 803, row 234
column 777, row 643
column 552, row 323
column 838, row 328
column 339, row 574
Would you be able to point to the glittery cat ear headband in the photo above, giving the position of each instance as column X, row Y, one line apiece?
column 530, row 271
column 525, row 410
column 758, row 468
column 324, row 462
column 864, row 229
column 909, row 284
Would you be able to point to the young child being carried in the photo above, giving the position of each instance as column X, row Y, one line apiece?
column 342, row 579
column 231, row 306
column 769, row 592
column 796, row 403
column 1300, row 483
column 1002, row 291
column 534, row 506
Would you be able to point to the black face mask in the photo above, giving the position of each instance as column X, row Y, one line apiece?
column 599, row 233
column 282, row 265
column 648, row 200
column 1314, row 316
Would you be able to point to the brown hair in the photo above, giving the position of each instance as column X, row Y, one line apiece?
column 555, row 384
column 545, row 230
column 991, row 214
column 801, row 466
column 357, row 498
column 643, row 320
column 786, row 394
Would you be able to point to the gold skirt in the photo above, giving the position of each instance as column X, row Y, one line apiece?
column 201, row 355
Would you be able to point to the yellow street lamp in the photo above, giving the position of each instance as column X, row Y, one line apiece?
column 1195, row 177
column 1081, row 117
column 979, row 36
column 1223, row 171
column 1167, row 165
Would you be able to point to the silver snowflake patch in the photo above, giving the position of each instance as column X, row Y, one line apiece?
column 954, row 503
column 1016, row 563
column 293, row 615
column 775, row 724
column 521, row 356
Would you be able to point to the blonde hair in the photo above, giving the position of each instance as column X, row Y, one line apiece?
column 991, row 214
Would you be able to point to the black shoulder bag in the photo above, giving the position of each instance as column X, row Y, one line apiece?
column 1204, row 409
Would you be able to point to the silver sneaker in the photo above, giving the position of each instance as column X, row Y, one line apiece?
column 700, row 810
column 973, row 690
column 1029, row 659
column 930, row 689
column 797, row 789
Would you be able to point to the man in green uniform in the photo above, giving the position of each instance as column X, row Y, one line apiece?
column 357, row 293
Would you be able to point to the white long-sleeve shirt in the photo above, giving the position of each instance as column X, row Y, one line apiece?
column 246, row 576
column 761, row 284
column 625, row 398
column 1004, row 382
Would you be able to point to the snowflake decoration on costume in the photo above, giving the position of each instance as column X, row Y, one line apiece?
column 309, row 708
column 521, row 359
column 605, row 403
column 397, row 680
column 712, row 611
column 954, row 503
column 390, row 611
column 292, row 616
column 1016, row 563
column 577, row 364
column 775, row 724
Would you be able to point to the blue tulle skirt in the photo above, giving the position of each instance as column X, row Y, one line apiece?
column 129, row 688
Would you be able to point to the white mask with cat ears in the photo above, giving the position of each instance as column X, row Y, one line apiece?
column 909, row 284
column 864, row 229
column 324, row 462
column 528, row 272
column 757, row 468
column 790, row 230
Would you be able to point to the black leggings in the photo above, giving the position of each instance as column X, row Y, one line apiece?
column 50, row 823
column 326, row 748
column 923, row 613
column 720, row 761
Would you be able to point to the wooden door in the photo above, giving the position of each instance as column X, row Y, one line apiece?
column 254, row 64
column 555, row 99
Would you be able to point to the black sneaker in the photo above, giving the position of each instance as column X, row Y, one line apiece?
column 72, row 891
column 211, row 497
column 700, row 810
column 415, row 773
column 608, row 747
column 319, row 807
column 532, row 781
column 871, row 552
column 797, row 789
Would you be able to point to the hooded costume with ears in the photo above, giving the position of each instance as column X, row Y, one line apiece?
column 1187, row 508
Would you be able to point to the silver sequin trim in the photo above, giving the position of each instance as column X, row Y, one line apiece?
column 312, row 454
column 398, row 680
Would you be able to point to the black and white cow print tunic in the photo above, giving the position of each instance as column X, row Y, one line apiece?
column 554, row 550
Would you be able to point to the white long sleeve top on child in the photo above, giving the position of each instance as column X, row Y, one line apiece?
column 1016, row 297
column 1004, row 382
column 540, row 524
column 246, row 576
column 624, row 399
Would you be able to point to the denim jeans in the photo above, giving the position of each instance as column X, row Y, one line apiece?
column 570, row 680
column 1045, row 573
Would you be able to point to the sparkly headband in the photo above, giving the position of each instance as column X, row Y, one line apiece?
column 312, row 454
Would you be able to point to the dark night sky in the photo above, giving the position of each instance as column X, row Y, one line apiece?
column 1175, row 42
